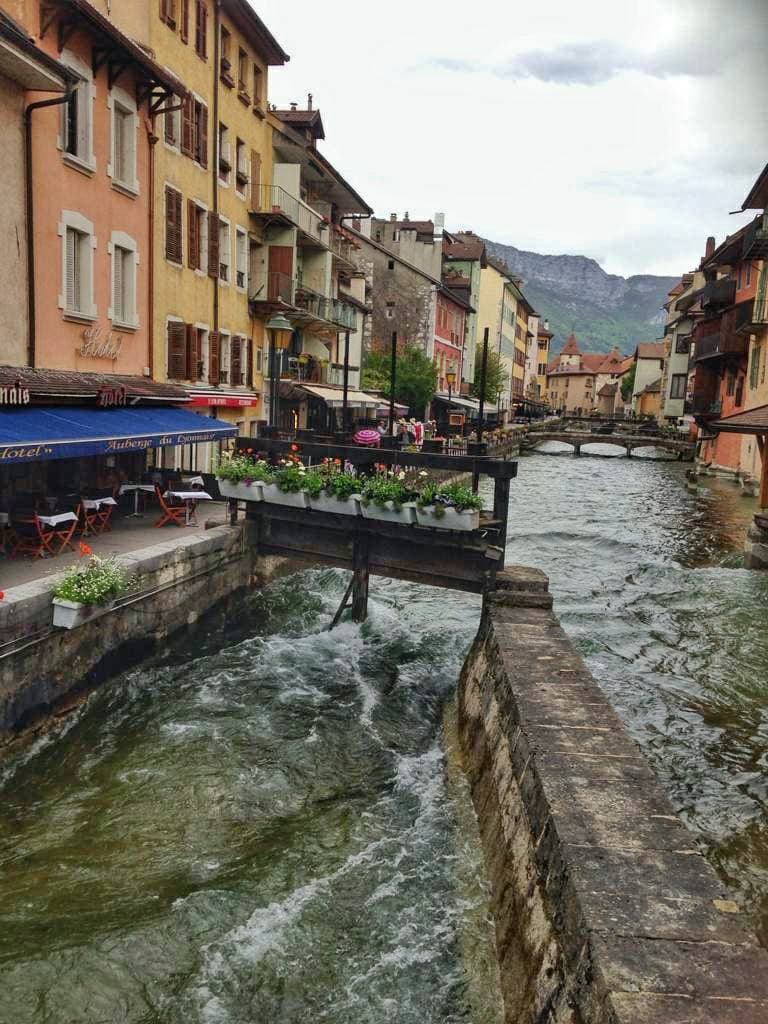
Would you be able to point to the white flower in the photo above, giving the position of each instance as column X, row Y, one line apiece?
column 401, row 475
column 423, row 473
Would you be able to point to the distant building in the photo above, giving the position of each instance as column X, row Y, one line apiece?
column 575, row 379
column 649, row 363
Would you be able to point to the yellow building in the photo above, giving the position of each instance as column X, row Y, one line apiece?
column 498, row 311
column 212, row 160
column 544, row 340
column 523, row 339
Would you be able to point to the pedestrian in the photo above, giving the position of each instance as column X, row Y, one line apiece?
column 419, row 431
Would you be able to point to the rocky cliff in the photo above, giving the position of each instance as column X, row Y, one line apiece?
column 576, row 294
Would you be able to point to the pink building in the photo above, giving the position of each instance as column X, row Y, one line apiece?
column 450, row 319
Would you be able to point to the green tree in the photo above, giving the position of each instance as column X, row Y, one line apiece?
column 628, row 383
column 496, row 376
column 415, row 377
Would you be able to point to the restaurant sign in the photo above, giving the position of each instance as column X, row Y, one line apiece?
column 111, row 397
column 97, row 345
column 14, row 394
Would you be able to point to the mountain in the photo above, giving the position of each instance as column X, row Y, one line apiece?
column 575, row 294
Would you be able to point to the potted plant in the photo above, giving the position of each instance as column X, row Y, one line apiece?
column 340, row 495
column 387, row 497
column 448, row 507
column 292, row 484
column 87, row 591
column 241, row 474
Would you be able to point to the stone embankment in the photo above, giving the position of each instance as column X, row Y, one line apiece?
column 605, row 910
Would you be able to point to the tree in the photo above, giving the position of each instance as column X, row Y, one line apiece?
column 496, row 376
column 415, row 377
column 628, row 383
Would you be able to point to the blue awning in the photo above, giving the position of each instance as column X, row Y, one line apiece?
column 68, row 432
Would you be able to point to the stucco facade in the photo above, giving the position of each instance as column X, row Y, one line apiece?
column 13, row 226
column 649, row 359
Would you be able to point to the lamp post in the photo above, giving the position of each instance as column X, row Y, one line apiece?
column 345, row 392
column 450, row 378
column 483, row 374
column 392, row 378
column 280, row 333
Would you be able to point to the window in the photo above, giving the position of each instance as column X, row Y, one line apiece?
column 542, row 369
column 242, row 76
column 201, row 134
column 177, row 350
column 224, row 250
column 124, row 125
column 390, row 264
column 226, row 63
column 241, row 255
column 257, row 80
column 678, row 386
column 172, row 123
column 754, row 366
column 76, row 247
column 739, row 399
column 236, row 360
column 258, row 361
column 184, row 23
column 225, row 156
column 168, row 12
column 390, row 310
column 78, row 242
column 748, row 276
column 77, row 117
column 201, row 29
column 241, row 166
column 224, row 357
column 683, row 344
column 124, row 262
column 197, row 236
column 173, row 225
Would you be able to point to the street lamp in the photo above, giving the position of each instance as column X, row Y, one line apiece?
column 450, row 377
column 280, row 333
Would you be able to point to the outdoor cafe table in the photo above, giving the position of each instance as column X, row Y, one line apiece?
column 189, row 498
column 127, row 488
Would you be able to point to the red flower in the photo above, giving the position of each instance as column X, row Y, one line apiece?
column 85, row 549
column 249, row 451
column 294, row 447
column 2, row 595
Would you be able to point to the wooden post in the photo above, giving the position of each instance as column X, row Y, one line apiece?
column 762, row 443
column 360, row 579
column 501, row 507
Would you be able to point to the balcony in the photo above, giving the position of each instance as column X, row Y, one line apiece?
column 705, row 408
column 760, row 315
column 718, row 294
column 343, row 248
column 726, row 337
column 756, row 239
column 271, row 203
column 307, row 304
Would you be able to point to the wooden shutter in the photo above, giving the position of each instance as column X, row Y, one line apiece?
column 193, row 352
column 173, row 226
column 170, row 125
column 193, row 235
column 255, row 180
column 119, row 310
column 202, row 136
column 177, row 350
column 213, row 246
column 164, row 10
column 214, row 356
column 235, row 359
column 184, row 21
column 201, row 30
column 280, row 272
column 188, row 126
column 249, row 364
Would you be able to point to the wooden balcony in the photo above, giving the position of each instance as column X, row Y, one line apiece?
column 727, row 337
column 718, row 294
column 756, row 239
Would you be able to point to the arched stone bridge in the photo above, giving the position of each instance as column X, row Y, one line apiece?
column 578, row 439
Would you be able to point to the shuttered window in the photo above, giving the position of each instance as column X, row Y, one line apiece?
column 214, row 357
column 201, row 134
column 173, row 225
column 255, row 180
column 201, row 29
column 168, row 12
column 123, row 286
column 194, row 353
column 193, row 234
column 124, row 146
column 236, row 360
column 184, row 21
column 177, row 350
column 188, row 126
column 213, row 245
column 249, row 365
column 75, row 270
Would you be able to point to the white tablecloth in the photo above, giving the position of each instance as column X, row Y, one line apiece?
column 62, row 517
column 96, row 503
column 127, row 488
column 193, row 481
column 189, row 495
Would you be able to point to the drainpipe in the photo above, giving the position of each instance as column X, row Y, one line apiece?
column 30, row 211
column 153, row 138
column 215, row 162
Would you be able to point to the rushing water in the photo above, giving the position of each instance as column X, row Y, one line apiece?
column 271, row 825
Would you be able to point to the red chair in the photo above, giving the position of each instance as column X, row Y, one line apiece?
column 89, row 520
column 103, row 516
column 171, row 513
column 36, row 538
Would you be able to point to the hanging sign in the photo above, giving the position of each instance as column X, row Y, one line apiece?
column 14, row 394
column 97, row 345
column 111, row 397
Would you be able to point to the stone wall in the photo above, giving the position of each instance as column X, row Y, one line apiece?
column 605, row 911
column 42, row 668
column 756, row 544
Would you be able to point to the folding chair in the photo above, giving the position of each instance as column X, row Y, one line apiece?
column 171, row 513
column 61, row 534
column 88, row 520
column 31, row 537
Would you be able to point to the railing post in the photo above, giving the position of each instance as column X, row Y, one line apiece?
column 360, row 578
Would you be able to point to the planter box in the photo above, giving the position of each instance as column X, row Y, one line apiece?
column 329, row 503
column 452, row 520
column 241, row 491
column 272, row 494
column 71, row 614
column 406, row 516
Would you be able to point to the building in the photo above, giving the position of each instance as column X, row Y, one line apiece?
column 649, row 366
column 25, row 72
column 570, row 382
column 544, row 340
column 464, row 253
column 497, row 310
column 683, row 310
column 418, row 242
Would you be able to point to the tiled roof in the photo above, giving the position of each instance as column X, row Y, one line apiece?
column 303, row 119
column 571, row 347
column 612, row 362
column 592, row 361
column 471, row 249
column 70, row 384
column 608, row 390
column 652, row 388
column 423, row 227
column 651, row 350
column 544, row 332
column 753, row 421
column 627, row 365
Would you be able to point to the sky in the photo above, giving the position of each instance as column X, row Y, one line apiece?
column 621, row 130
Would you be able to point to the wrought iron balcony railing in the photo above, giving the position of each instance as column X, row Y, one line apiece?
column 273, row 201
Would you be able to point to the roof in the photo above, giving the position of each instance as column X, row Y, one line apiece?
column 321, row 165
column 24, row 62
column 612, row 362
column 652, row 388
column 592, row 361
column 70, row 384
column 334, row 396
column 757, row 199
column 608, row 390
column 448, row 291
column 246, row 18
column 753, row 421
column 627, row 365
column 651, row 350
column 571, row 347
column 309, row 119
column 729, row 251
column 465, row 247
column 571, row 371
column 422, row 227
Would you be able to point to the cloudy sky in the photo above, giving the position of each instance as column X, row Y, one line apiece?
column 625, row 131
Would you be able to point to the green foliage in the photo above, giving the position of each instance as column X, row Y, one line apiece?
column 244, row 469
column 99, row 581
column 443, row 496
column 496, row 377
column 386, row 487
column 628, row 384
column 342, row 485
column 415, row 378
column 293, row 477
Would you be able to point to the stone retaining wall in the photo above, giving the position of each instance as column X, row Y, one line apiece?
column 605, row 910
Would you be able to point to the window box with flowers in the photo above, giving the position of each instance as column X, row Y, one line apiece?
column 448, row 507
column 86, row 592
column 240, row 475
column 293, row 484
column 388, row 498
column 340, row 492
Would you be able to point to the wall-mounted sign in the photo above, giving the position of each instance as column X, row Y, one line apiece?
column 98, row 345
column 14, row 394
column 456, row 419
column 109, row 397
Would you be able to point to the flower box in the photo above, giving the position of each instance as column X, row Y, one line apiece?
column 241, row 491
column 272, row 494
column 71, row 614
column 469, row 519
column 330, row 503
column 405, row 515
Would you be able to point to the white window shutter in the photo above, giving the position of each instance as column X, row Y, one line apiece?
column 71, row 270
column 118, row 301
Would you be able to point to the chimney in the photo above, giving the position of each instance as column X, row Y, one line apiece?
column 546, row 325
column 439, row 225
column 405, row 216
column 393, row 217
column 710, row 247
column 294, row 106
column 309, row 101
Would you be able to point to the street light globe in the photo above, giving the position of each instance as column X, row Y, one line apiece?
column 450, row 377
column 282, row 330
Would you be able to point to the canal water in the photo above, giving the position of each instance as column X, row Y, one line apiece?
column 271, row 823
